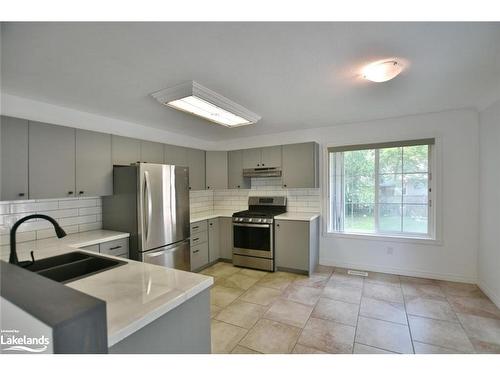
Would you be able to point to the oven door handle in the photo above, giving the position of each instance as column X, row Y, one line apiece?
column 253, row 225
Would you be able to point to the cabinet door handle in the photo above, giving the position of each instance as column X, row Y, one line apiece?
column 238, row 186
column 263, row 164
column 115, row 247
column 277, row 225
column 208, row 187
column 81, row 192
column 70, row 193
column 21, row 194
column 284, row 185
column 211, row 223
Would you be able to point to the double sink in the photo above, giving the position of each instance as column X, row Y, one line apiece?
column 72, row 266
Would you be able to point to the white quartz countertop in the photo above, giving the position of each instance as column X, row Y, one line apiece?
column 298, row 216
column 212, row 215
column 135, row 293
column 138, row 293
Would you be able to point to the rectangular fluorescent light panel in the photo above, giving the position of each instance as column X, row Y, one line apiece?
column 193, row 98
column 202, row 108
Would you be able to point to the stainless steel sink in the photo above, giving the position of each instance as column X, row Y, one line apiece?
column 73, row 266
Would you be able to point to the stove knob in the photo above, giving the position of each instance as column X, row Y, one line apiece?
column 259, row 220
column 250, row 220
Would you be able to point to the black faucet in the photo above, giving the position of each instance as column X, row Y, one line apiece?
column 13, row 254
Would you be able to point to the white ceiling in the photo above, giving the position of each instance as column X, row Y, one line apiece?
column 295, row 75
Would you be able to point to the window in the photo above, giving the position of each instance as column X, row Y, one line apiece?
column 382, row 189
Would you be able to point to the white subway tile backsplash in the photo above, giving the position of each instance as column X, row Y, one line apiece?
column 74, row 215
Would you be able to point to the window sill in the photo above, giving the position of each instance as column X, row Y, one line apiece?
column 384, row 238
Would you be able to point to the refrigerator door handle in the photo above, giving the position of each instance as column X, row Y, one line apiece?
column 148, row 204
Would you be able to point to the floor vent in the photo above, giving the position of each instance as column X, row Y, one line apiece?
column 357, row 273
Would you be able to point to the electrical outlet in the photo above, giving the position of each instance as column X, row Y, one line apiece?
column 390, row 250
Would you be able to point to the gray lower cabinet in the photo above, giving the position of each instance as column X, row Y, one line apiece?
column 152, row 152
column 13, row 158
column 235, row 179
column 51, row 161
column 196, row 164
column 226, row 238
column 125, row 150
column 117, row 248
column 213, row 240
column 301, row 165
column 297, row 245
column 216, row 169
column 176, row 155
column 94, row 168
column 199, row 245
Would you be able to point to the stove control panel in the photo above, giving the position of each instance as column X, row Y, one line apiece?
column 252, row 220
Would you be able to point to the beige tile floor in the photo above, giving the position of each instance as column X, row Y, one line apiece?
column 333, row 312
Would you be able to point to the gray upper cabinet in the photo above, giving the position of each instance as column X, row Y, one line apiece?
column 196, row 164
column 262, row 157
column 251, row 158
column 94, row 168
column 301, row 165
column 216, row 169
column 14, row 158
column 125, row 150
column 152, row 152
column 51, row 161
column 235, row 171
column 271, row 156
column 176, row 155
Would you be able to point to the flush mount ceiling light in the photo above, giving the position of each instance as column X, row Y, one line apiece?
column 382, row 71
column 191, row 97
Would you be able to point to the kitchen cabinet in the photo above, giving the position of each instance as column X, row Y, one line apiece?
column 94, row 167
column 196, row 164
column 235, row 179
column 297, row 245
column 271, row 156
column 199, row 245
column 213, row 240
column 125, row 150
column 117, row 248
column 216, row 169
column 262, row 157
column 252, row 158
column 226, row 238
column 14, row 158
column 152, row 152
column 51, row 161
column 300, row 165
column 176, row 155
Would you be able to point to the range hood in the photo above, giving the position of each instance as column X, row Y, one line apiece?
column 262, row 172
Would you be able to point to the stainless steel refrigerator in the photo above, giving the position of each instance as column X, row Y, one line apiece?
column 151, row 202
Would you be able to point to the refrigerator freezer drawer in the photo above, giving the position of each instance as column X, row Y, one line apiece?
column 173, row 256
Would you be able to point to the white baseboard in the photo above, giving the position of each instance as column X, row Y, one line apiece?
column 399, row 271
column 495, row 297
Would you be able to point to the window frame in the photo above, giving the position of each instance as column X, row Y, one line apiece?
column 433, row 235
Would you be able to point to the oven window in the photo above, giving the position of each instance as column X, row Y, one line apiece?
column 254, row 238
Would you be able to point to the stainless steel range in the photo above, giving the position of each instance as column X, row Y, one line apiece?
column 253, row 232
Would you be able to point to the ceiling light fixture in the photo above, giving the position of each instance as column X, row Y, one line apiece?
column 382, row 71
column 191, row 97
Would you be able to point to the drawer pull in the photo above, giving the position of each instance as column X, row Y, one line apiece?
column 196, row 239
column 196, row 227
column 115, row 247
column 196, row 251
